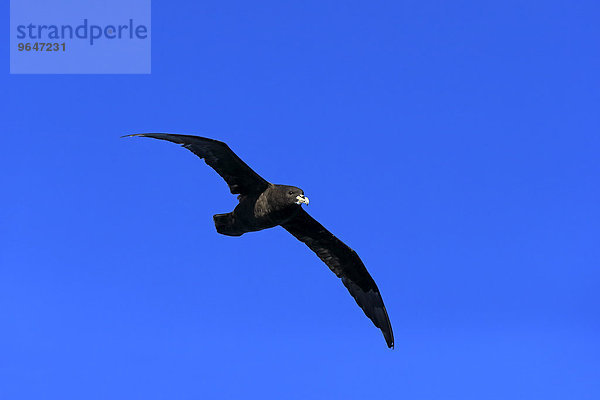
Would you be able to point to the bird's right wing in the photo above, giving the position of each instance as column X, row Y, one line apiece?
column 345, row 263
column 240, row 178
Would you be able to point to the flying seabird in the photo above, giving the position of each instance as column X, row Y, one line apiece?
column 265, row 205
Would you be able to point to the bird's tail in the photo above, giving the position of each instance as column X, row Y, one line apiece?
column 225, row 224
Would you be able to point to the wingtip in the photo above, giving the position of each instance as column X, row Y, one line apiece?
column 389, row 337
column 389, row 340
column 131, row 135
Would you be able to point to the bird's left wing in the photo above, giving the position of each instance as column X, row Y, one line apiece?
column 240, row 178
column 346, row 264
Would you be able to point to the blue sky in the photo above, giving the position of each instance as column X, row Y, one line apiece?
column 454, row 145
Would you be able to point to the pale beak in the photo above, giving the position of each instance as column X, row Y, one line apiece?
column 302, row 199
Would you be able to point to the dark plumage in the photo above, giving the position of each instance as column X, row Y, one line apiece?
column 264, row 205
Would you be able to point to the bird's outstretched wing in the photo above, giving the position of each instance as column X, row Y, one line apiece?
column 240, row 178
column 346, row 264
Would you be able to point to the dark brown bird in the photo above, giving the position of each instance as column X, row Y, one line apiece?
column 264, row 205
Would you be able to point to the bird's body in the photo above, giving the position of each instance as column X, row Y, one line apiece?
column 263, row 205
column 257, row 212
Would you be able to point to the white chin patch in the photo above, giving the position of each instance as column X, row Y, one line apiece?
column 302, row 199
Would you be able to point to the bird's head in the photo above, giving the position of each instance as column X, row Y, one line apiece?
column 292, row 195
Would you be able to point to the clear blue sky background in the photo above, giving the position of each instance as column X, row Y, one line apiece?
column 454, row 145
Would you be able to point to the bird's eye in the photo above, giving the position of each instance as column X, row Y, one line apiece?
column 291, row 192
